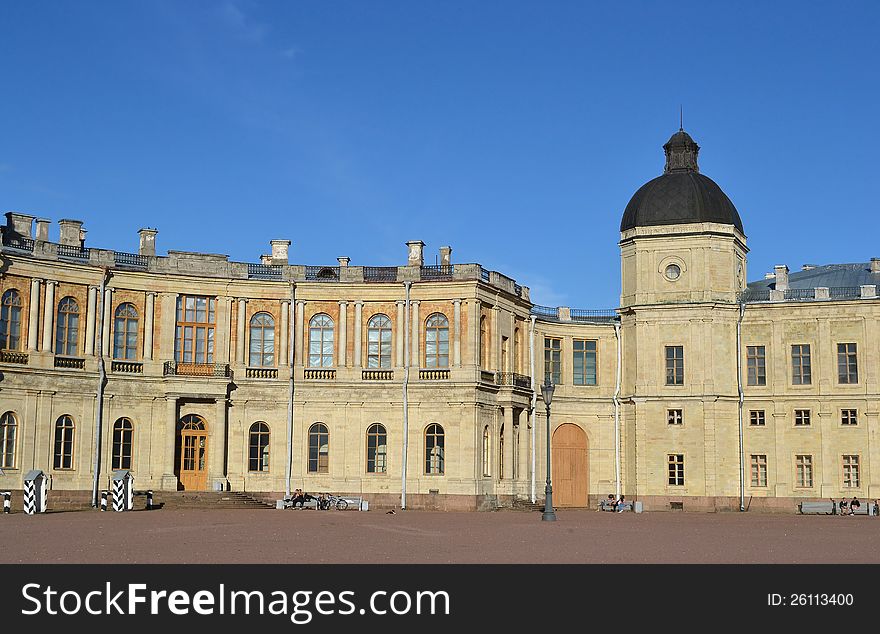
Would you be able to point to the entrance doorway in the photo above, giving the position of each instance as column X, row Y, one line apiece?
column 570, row 466
column 193, row 457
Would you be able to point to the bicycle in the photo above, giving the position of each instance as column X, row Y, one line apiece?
column 334, row 501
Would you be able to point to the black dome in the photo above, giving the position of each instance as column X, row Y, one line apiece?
column 681, row 195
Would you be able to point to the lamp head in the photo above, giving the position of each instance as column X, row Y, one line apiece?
column 547, row 392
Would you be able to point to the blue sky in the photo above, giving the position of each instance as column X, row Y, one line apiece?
column 516, row 132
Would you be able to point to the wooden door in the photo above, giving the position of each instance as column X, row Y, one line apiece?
column 194, row 460
column 569, row 466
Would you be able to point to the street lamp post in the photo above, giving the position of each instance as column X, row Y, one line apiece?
column 549, row 514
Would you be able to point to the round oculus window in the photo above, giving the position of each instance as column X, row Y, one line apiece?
column 673, row 272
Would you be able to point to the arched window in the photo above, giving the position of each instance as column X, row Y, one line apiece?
column 68, row 327
column 484, row 344
column 486, row 451
column 437, row 341
column 122, row 435
column 259, row 448
column 321, row 341
column 10, row 320
column 434, row 450
column 377, row 448
column 379, row 342
column 192, row 421
column 8, row 427
column 319, row 448
column 517, row 351
column 262, row 351
column 64, row 430
column 125, row 334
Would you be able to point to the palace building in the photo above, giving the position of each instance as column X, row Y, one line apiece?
column 419, row 385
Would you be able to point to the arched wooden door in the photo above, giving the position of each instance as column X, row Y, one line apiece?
column 571, row 476
column 193, row 454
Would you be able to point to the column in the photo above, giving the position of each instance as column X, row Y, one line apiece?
column 107, row 321
column 90, row 320
column 508, row 444
column 223, row 330
column 167, row 325
column 149, row 314
column 473, row 342
column 299, row 326
column 33, row 316
column 416, row 330
column 220, row 442
column 495, row 339
column 282, row 354
column 240, row 337
column 342, row 344
column 49, row 316
column 456, row 335
column 358, row 327
column 523, row 472
column 400, row 327
column 169, row 428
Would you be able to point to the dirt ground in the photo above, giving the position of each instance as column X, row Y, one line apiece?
column 288, row 536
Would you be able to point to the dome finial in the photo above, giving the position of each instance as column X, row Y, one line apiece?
column 681, row 153
column 680, row 118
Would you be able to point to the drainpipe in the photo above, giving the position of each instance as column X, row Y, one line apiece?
column 617, row 410
column 739, row 385
column 534, row 398
column 291, row 344
column 406, row 336
column 102, row 379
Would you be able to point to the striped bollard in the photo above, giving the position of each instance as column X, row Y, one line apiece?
column 6, row 508
column 29, row 498
column 103, row 500
column 150, row 500
column 118, row 493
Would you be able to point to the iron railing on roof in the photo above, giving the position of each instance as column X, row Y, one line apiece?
column 437, row 272
column 589, row 315
column 547, row 312
column 800, row 293
column 843, row 292
column 130, row 259
column 511, row 378
column 264, row 271
column 315, row 273
column 18, row 242
column 484, row 274
column 380, row 273
column 73, row 252
column 754, row 295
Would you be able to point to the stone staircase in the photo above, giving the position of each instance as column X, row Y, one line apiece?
column 208, row 500
column 526, row 505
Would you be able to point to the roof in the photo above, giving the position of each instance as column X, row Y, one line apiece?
column 826, row 275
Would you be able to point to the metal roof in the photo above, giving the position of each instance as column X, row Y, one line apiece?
column 827, row 275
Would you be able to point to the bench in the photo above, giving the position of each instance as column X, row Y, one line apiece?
column 865, row 508
column 609, row 505
column 818, row 508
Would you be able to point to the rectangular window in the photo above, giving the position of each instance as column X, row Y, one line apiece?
column 194, row 337
column 849, row 417
column 759, row 470
column 584, row 362
column 674, row 365
column 804, row 471
column 674, row 416
column 850, row 472
column 847, row 363
column 802, row 417
column 756, row 365
column 756, row 418
column 800, row 364
column 676, row 469
column 553, row 360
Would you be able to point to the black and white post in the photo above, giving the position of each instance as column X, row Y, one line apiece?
column 150, row 500
column 6, row 499
column 103, row 500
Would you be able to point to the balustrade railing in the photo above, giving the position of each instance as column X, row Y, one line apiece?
column 438, row 271
column 264, row 271
column 322, row 374
column 13, row 356
column 380, row 273
column 127, row 367
column 433, row 375
column 73, row 252
column 377, row 375
column 317, row 273
column 70, row 363
column 261, row 373
column 130, row 259
column 514, row 379
column 175, row 368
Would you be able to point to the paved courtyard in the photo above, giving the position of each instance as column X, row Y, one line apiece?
column 580, row 536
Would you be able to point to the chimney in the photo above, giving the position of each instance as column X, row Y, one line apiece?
column 147, row 245
column 71, row 232
column 343, row 261
column 280, row 251
column 781, row 277
column 445, row 256
column 875, row 265
column 19, row 223
column 43, row 229
column 266, row 259
column 808, row 267
column 416, row 253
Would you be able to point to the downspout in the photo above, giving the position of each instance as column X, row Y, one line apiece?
column 534, row 399
column 102, row 378
column 291, row 344
column 406, row 336
column 617, row 410
column 739, row 385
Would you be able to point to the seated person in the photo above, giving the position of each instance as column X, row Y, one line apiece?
column 620, row 504
column 843, row 507
column 298, row 497
column 323, row 501
column 609, row 504
column 854, row 505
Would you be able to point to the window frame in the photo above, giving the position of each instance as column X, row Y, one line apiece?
column 849, row 417
column 126, row 321
column 757, row 415
column 383, row 344
column 326, row 334
column 847, row 364
column 674, row 365
column 10, row 320
column 805, row 416
column 9, row 420
column 756, row 366
column 801, row 364
column 315, row 464
column 803, row 466
column 758, row 470
column 435, row 464
column 118, row 446
column 675, row 470
column 851, row 465
column 675, row 417
column 553, row 360
column 585, row 354
column 259, row 462
column 258, row 328
column 67, row 440
column 377, row 431
column 67, row 327
column 183, row 324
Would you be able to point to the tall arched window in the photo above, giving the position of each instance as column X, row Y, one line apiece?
column 8, row 427
column 10, row 320
column 434, row 450
column 259, row 448
column 64, row 431
column 262, row 351
column 66, row 332
column 123, row 431
column 321, row 341
column 437, row 341
column 486, row 451
column 125, row 334
column 377, row 448
column 484, row 344
column 517, row 351
column 379, row 342
column 319, row 448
